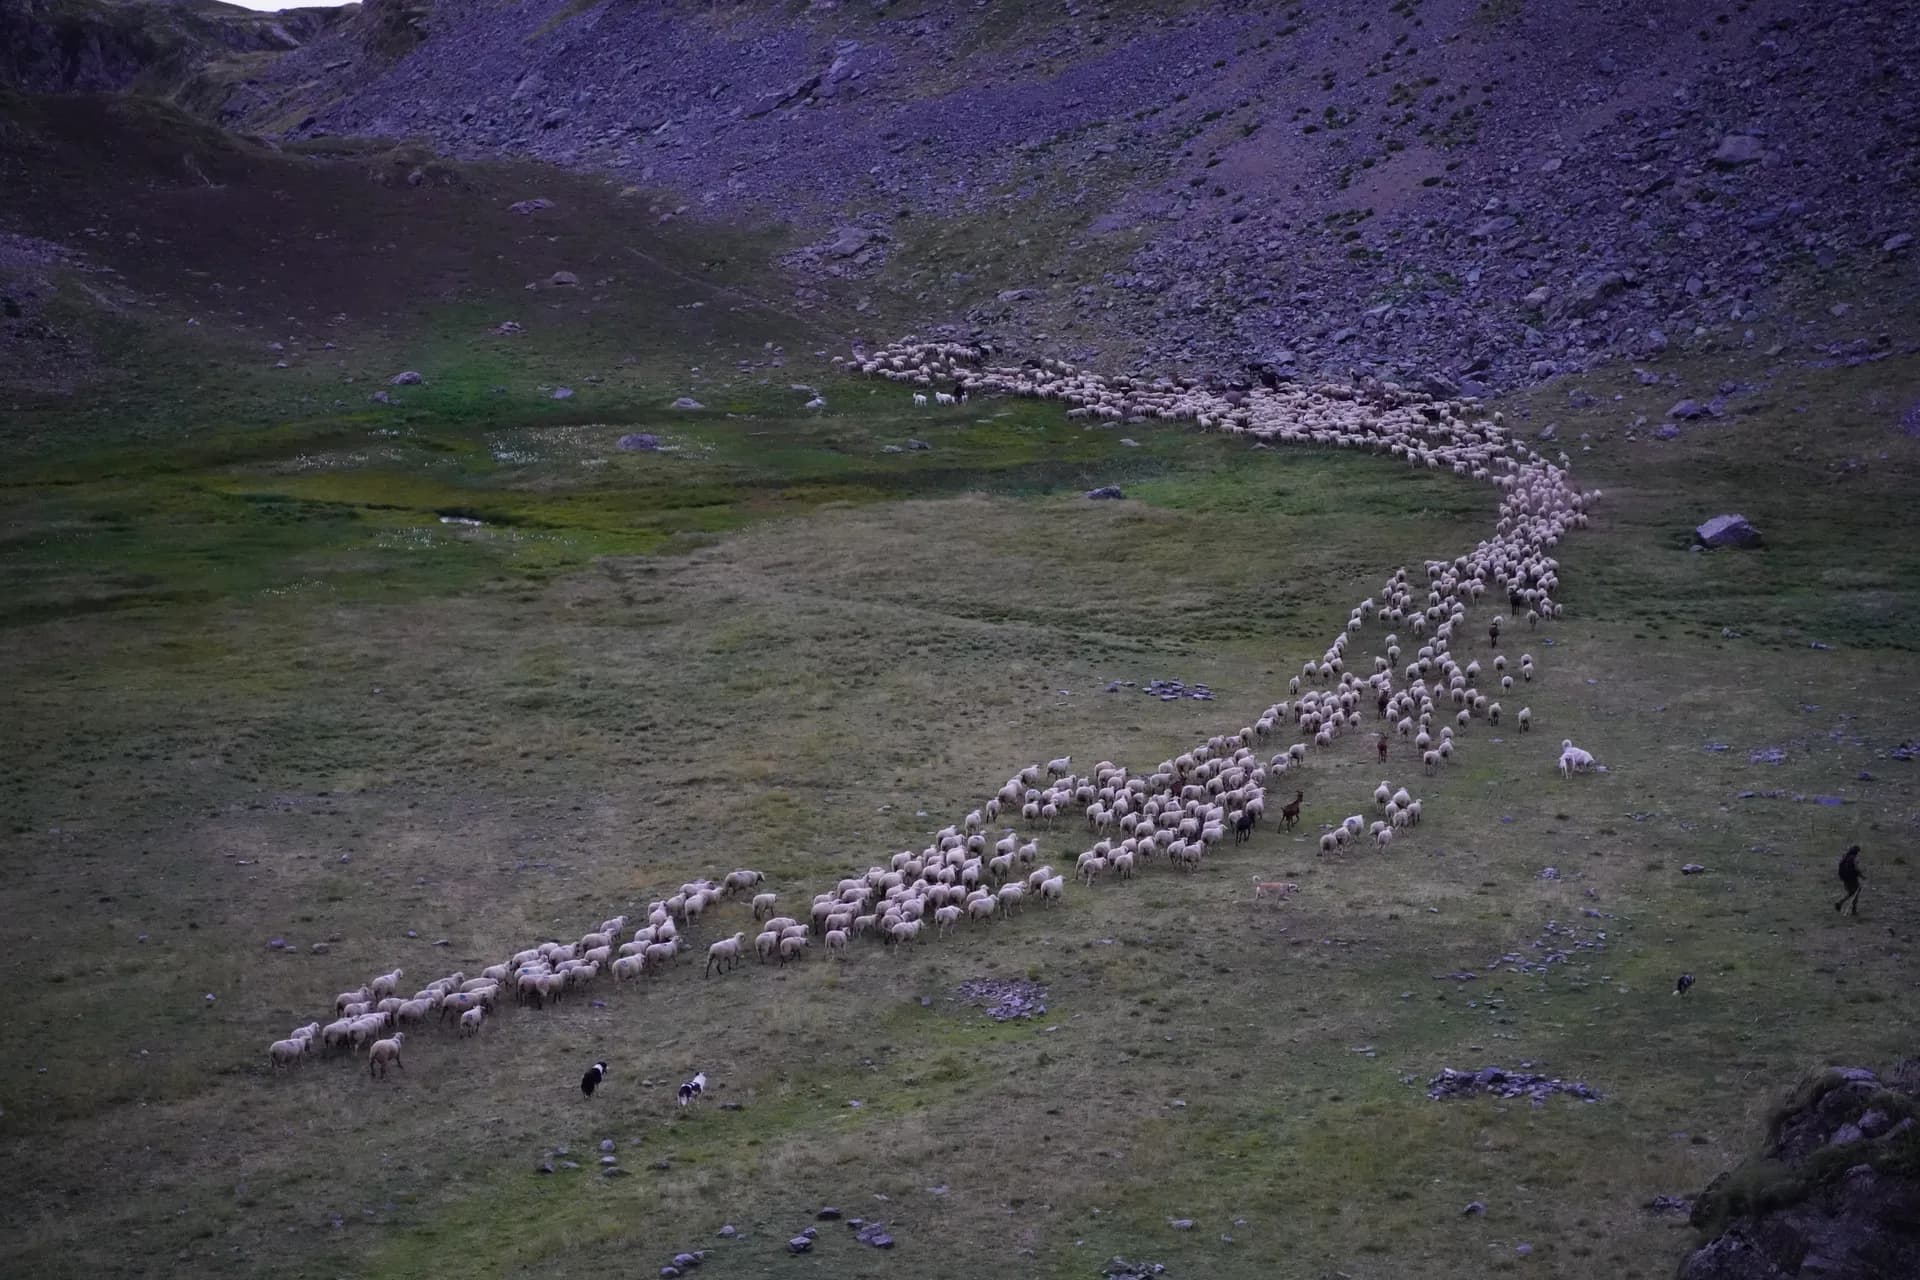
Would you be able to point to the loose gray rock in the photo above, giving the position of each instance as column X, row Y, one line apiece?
column 1727, row 531
column 1737, row 149
column 1106, row 491
column 563, row 279
column 408, row 379
column 563, row 393
column 1667, row 431
column 1691, row 869
column 1896, row 243
column 530, row 206
column 1688, row 409
column 828, row 1214
column 918, row 446
column 873, row 1235
column 640, row 442
column 687, row 402
column 727, row 1232
column 799, row 1244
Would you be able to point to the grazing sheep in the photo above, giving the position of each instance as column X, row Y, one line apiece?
column 385, row 1051
column 1330, row 842
column 1525, row 717
column 791, row 949
column 919, row 400
column 284, row 1053
column 385, row 983
column 470, row 1021
column 1573, row 759
column 1057, row 768
column 725, row 952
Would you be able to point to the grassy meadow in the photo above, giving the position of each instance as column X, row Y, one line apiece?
column 428, row 683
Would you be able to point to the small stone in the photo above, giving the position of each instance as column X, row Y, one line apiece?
column 615, row 1171
column 530, row 206
column 918, row 446
column 799, row 1244
column 1667, row 431
column 1894, row 244
column 1523, row 1248
column 1180, row 1224
column 1692, row 869
column 381, row 397
column 687, row 402
column 668, row 1273
column 276, row 944
column 811, row 1233
column 1474, row 1209
column 545, row 1166
column 1688, row 409
column 727, row 1232
column 563, row 393
column 1106, row 491
column 563, row 278
column 408, row 379
column 1738, row 149
column 606, row 1144
column 828, row 1214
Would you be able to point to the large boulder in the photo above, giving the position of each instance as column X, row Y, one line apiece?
column 1835, row 1192
column 1727, row 531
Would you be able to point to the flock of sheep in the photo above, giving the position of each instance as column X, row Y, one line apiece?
column 1187, row 804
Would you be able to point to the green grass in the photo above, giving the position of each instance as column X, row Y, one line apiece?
column 251, row 686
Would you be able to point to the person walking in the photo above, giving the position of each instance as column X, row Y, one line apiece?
column 1850, row 878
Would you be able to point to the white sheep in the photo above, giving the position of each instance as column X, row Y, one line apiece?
column 919, row 400
column 1573, row 759
column 942, row 397
column 470, row 1021
column 385, row 983
column 725, row 952
column 1056, row 768
column 385, row 1051
column 1525, row 717
column 284, row 1053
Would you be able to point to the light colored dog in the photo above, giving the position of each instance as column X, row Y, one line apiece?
column 1281, row 889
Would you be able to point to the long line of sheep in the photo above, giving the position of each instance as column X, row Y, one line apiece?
column 1187, row 804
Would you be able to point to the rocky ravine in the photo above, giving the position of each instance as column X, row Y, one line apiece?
column 1477, row 194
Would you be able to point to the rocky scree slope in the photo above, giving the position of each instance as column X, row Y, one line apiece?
column 1470, row 194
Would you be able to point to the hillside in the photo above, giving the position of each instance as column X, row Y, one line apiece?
column 420, row 558
column 1492, row 192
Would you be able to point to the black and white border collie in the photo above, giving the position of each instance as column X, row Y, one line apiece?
column 595, row 1074
column 692, row 1089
